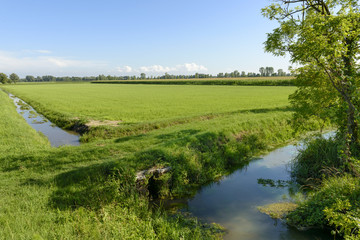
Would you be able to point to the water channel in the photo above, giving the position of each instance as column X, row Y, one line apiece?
column 232, row 202
column 57, row 136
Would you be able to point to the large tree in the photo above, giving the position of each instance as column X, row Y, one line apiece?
column 321, row 36
column 14, row 78
column 3, row 78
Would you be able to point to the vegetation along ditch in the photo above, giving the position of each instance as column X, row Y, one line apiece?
column 55, row 135
column 91, row 190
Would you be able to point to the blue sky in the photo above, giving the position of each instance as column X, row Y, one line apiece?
column 118, row 37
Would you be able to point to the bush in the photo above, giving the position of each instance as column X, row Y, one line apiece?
column 317, row 160
column 335, row 204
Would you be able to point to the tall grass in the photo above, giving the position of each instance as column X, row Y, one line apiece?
column 316, row 161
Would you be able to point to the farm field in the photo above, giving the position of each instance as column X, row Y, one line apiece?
column 139, row 103
column 73, row 192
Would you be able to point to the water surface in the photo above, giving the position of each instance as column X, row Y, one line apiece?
column 233, row 201
column 57, row 136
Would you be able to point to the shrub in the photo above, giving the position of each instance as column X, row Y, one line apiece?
column 316, row 161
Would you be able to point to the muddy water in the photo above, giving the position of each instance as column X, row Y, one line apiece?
column 233, row 201
column 57, row 136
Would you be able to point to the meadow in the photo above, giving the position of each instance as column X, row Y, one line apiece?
column 140, row 103
column 89, row 192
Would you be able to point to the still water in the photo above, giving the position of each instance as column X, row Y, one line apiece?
column 232, row 202
column 57, row 136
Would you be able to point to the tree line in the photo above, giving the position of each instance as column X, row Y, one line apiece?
column 263, row 72
column 13, row 78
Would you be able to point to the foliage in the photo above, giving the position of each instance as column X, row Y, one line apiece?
column 344, row 218
column 323, row 37
column 14, row 78
column 335, row 203
column 317, row 160
column 3, row 78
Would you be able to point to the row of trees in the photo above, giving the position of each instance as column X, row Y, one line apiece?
column 269, row 71
column 263, row 72
column 13, row 78
column 49, row 78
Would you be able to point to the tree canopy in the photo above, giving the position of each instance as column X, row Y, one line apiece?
column 3, row 78
column 321, row 36
column 14, row 78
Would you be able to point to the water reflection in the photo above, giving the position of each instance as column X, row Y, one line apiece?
column 56, row 135
column 233, row 201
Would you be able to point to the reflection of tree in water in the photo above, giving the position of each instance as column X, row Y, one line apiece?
column 274, row 183
column 292, row 187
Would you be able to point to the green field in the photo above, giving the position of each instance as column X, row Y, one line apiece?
column 88, row 192
column 139, row 103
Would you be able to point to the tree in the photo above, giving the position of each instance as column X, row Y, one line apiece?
column 48, row 78
column 323, row 37
column 30, row 78
column 281, row 72
column 262, row 71
column 235, row 74
column 3, row 78
column 14, row 78
column 142, row 75
column 269, row 71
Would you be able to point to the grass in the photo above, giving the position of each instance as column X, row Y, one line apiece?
column 140, row 103
column 36, row 178
column 278, row 210
column 89, row 192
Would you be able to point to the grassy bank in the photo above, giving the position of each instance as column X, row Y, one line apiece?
column 81, row 192
column 333, row 199
column 89, row 192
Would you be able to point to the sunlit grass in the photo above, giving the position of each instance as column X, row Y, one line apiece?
column 138, row 103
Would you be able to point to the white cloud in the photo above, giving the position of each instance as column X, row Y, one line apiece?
column 29, row 64
column 157, row 69
column 34, row 62
column 126, row 69
column 181, row 68
column 60, row 62
column 193, row 67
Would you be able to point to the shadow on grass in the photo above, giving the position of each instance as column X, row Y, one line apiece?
column 128, row 138
column 34, row 181
column 93, row 186
column 177, row 135
column 54, row 159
